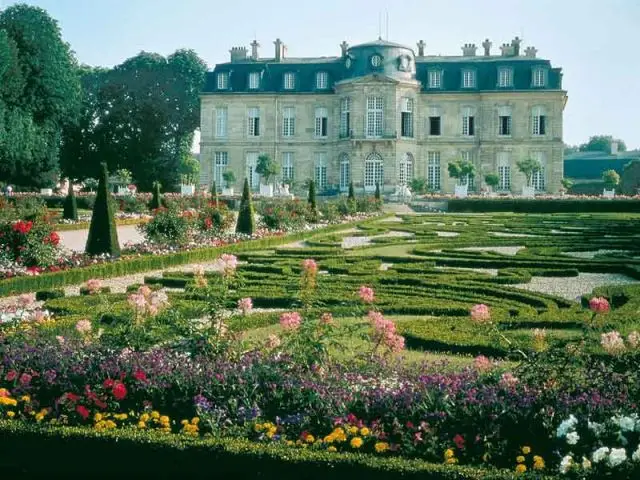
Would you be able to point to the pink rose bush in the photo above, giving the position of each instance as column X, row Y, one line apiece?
column 599, row 305
column 290, row 320
column 480, row 313
column 245, row 305
column 366, row 294
column 384, row 333
column 146, row 303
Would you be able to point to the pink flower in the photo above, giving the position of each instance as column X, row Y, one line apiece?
column 290, row 320
column 612, row 342
column 482, row 363
column 138, row 302
column 508, row 380
column 634, row 339
column 273, row 341
column 381, row 325
column 599, row 305
column 366, row 294
column 83, row 326
column 326, row 319
column 229, row 263
column 144, row 290
column 480, row 313
column 60, row 339
column 93, row 286
column 310, row 265
column 25, row 379
column 459, row 441
column 26, row 299
column 245, row 305
column 40, row 317
column 395, row 343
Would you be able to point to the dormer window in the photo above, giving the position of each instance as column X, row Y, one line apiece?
column 468, row 79
column 435, row 78
column 322, row 80
column 539, row 77
column 222, row 81
column 289, row 81
column 505, row 77
column 254, row 80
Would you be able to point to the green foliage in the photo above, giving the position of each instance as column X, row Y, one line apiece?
column 156, row 199
column 283, row 215
column 418, row 185
column 602, row 143
column 528, row 167
column 567, row 183
column 189, row 170
column 229, row 177
column 266, row 167
column 168, row 227
column 352, row 193
column 460, row 169
column 311, row 198
column 70, row 205
column 123, row 176
column 103, row 233
column 214, row 219
column 214, row 191
column 376, row 195
column 630, row 184
column 610, row 178
column 246, row 220
column 492, row 180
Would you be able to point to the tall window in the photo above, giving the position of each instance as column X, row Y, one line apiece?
column 435, row 78
column 538, row 121
column 505, row 77
column 537, row 179
column 469, row 180
column 504, row 171
column 221, row 122
column 222, row 81
column 468, row 122
column 345, row 172
column 321, row 171
column 288, row 121
column 468, row 79
column 373, row 172
column 322, row 122
column 287, row 166
column 539, row 77
column 504, row 121
column 433, row 170
column 345, row 117
column 289, row 81
column 435, row 121
column 254, row 80
column 375, row 116
column 322, row 80
column 220, row 163
column 406, row 118
column 405, row 172
column 253, row 122
column 252, row 176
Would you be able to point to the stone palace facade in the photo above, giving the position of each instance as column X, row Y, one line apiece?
column 382, row 113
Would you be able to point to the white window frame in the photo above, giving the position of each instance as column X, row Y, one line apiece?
column 321, row 119
column 468, row 113
column 406, row 169
column 469, row 180
column 221, row 122
column 434, row 78
column 538, row 178
column 373, row 172
column 434, row 171
column 289, row 81
column 505, row 77
column 253, row 122
column 407, row 109
column 320, row 170
column 287, row 166
column 288, row 121
column 539, row 77
column 322, row 80
column 375, row 117
column 251, row 161
column 504, row 171
column 345, row 172
column 222, row 80
column 505, row 111
column 345, row 117
column 468, row 78
column 220, row 164
column 537, row 123
column 254, row 80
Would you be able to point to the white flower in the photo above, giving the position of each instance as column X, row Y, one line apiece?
column 586, row 464
column 572, row 438
column 566, row 426
column 636, row 455
column 600, row 454
column 617, row 457
column 566, row 463
column 597, row 428
column 626, row 424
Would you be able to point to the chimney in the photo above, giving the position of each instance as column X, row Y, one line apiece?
column 614, row 147
column 469, row 50
column 421, row 46
column 254, row 49
column 279, row 50
column 238, row 54
column 344, row 46
column 530, row 52
column 487, row 47
column 506, row 49
column 515, row 43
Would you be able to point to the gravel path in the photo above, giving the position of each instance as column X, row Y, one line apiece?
column 574, row 287
column 76, row 240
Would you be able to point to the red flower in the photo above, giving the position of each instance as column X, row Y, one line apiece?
column 119, row 391
column 25, row 379
column 140, row 375
column 11, row 375
column 53, row 239
column 108, row 383
column 82, row 411
column 72, row 397
column 22, row 227
column 459, row 441
column 208, row 223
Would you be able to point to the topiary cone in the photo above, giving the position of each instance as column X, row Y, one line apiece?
column 156, row 200
column 312, row 196
column 214, row 192
column 352, row 192
column 70, row 211
column 246, row 221
column 377, row 193
column 103, row 234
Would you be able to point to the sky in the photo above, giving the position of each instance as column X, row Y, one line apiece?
column 595, row 42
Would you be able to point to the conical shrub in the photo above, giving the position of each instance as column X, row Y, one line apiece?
column 156, row 199
column 103, row 234
column 311, row 200
column 214, row 192
column 352, row 192
column 70, row 211
column 246, row 222
column 377, row 193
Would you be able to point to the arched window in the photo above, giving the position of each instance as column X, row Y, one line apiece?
column 405, row 170
column 345, row 172
column 373, row 171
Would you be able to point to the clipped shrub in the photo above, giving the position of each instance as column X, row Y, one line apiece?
column 103, row 234
column 44, row 295
column 70, row 211
column 156, row 200
column 168, row 227
column 311, row 199
column 246, row 221
column 214, row 192
column 352, row 193
column 376, row 195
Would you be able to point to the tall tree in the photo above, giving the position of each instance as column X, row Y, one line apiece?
column 602, row 143
column 39, row 95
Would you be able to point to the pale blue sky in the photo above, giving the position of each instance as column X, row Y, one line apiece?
column 596, row 42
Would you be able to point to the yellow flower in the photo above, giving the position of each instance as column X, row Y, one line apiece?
column 195, row 420
column 521, row 468
column 11, row 414
column 184, row 422
column 144, row 417
column 141, row 424
column 356, row 442
column 520, row 459
column 526, row 450
column 449, row 453
column 332, row 449
column 39, row 417
column 381, row 447
column 538, row 458
column 538, row 463
column 110, row 424
column 155, row 415
column 329, row 438
column 97, row 417
column 353, row 430
column 25, row 398
column 257, row 427
column 290, row 443
column 309, row 438
column 121, row 416
column 451, row 461
column 364, row 431
column 8, row 401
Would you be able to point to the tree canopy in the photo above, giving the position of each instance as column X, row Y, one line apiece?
column 602, row 143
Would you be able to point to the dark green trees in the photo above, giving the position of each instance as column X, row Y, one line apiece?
column 103, row 234
column 352, row 193
column 70, row 211
column 246, row 222
column 156, row 200
column 377, row 193
column 311, row 199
